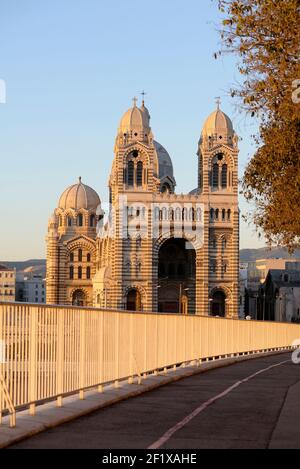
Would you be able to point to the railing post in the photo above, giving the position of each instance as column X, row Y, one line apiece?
column 82, row 355
column 156, row 346
column 145, row 346
column 117, row 350
column 101, row 355
column 32, row 378
column 60, row 357
column 2, row 361
column 131, row 367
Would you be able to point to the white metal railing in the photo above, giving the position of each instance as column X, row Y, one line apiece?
column 52, row 351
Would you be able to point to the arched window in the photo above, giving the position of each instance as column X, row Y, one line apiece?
column 79, row 255
column 211, row 213
column 228, row 214
column 88, row 272
column 217, row 214
column 130, row 173
column 92, row 220
column 224, row 243
column 223, row 214
column 171, row 214
column 224, row 176
column 215, row 175
column 71, row 272
column 192, row 214
column 88, row 257
column 69, row 221
column 80, row 220
column 80, row 272
column 72, row 257
column 139, row 174
column 165, row 188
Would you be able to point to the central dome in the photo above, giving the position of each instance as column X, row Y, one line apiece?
column 136, row 120
column 79, row 196
column 164, row 161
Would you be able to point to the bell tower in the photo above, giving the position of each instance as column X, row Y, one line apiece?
column 218, row 186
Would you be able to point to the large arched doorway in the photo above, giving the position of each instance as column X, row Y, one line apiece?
column 133, row 300
column 218, row 303
column 79, row 298
column 176, row 276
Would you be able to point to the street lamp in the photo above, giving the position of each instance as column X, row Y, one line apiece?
column 256, row 298
column 264, row 305
column 180, row 297
column 210, row 306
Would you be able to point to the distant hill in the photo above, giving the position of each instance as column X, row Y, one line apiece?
column 39, row 265
column 266, row 253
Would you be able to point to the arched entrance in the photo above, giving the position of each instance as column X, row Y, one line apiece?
column 218, row 303
column 176, row 276
column 133, row 300
column 79, row 298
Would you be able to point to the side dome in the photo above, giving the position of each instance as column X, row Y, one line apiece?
column 218, row 126
column 164, row 161
column 135, row 121
column 79, row 196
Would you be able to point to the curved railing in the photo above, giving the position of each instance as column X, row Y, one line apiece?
column 52, row 351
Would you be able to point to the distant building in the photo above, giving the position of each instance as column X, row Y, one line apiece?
column 256, row 275
column 30, row 288
column 243, row 279
column 7, row 283
column 258, row 270
column 279, row 296
column 292, row 265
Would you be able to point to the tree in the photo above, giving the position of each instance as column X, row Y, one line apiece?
column 265, row 35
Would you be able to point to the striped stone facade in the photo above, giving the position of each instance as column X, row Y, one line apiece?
column 157, row 250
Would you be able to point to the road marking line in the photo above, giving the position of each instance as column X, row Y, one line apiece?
column 169, row 433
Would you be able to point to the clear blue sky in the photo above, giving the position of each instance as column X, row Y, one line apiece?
column 71, row 68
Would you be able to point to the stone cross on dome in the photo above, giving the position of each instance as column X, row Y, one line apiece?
column 143, row 93
column 134, row 101
column 218, row 102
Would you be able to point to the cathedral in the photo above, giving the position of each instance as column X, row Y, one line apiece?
column 153, row 250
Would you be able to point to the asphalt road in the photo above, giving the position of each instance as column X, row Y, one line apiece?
column 195, row 412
